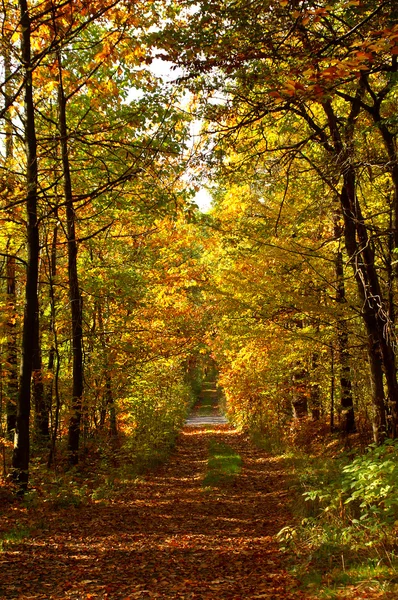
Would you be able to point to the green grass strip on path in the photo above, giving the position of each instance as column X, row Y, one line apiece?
column 223, row 465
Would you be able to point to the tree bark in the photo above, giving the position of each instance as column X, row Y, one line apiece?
column 109, row 400
column 49, row 388
column 374, row 311
column 300, row 392
column 362, row 259
column 376, row 382
column 332, row 388
column 20, row 461
column 12, row 356
column 315, row 391
column 41, row 414
column 74, row 289
column 11, row 316
column 347, row 422
column 54, row 360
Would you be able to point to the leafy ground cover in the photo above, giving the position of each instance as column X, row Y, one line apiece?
column 344, row 533
column 160, row 536
column 213, row 522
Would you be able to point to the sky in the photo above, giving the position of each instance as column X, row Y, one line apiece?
column 203, row 200
column 162, row 69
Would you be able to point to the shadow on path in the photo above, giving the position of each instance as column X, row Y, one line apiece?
column 167, row 537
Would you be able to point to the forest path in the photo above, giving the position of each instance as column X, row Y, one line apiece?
column 207, row 410
column 166, row 536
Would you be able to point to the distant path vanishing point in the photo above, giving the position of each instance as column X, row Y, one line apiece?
column 207, row 411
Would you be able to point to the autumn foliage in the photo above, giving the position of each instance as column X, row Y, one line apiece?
column 118, row 294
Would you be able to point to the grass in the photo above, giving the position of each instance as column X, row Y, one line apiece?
column 330, row 584
column 14, row 536
column 223, row 465
column 345, row 533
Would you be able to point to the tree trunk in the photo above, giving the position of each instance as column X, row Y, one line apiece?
column 390, row 141
column 53, row 360
column 12, row 356
column 111, row 406
column 315, row 391
column 346, row 401
column 11, row 316
column 74, row 290
column 361, row 257
column 332, row 387
column 48, row 392
column 376, row 382
column 20, row 461
column 41, row 414
column 109, row 400
column 374, row 311
column 300, row 392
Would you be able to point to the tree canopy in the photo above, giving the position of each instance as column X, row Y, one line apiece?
column 118, row 292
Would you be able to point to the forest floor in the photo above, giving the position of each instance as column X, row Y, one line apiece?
column 165, row 535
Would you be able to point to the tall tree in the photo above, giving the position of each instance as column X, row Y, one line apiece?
column 73, row 277
column 20, row 460
column 325, row 65
column 11, row 318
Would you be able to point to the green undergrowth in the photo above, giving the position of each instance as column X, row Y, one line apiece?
column 108, row 466
column 98, row 477
column 346, row 510
column 14, row 536
column 223, row 465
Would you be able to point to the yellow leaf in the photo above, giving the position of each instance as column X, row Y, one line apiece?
column 51, row 85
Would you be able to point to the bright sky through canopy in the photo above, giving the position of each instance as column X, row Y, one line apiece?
column 164, row 70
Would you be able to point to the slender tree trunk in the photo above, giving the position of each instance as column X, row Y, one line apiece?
column 55, row 420
column 347, row 422
column 20, row 460
column 374, row 312
column 54, row 359
column 49, row 388
column 390, row 141
column 360, row 252
column 11, row 316
column 384, row 347
column 12, row 355
column 74, row 289
column 300, row 392
column 42, row 394
column 332, row 388
column 376, row 382
column 346, row 400
column 391, row 269
column 315, row 401
column 109, row 400
column 315, row 392
column 41, row 415
column 112, row 410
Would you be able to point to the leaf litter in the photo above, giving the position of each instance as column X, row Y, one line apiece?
column 165, row 536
